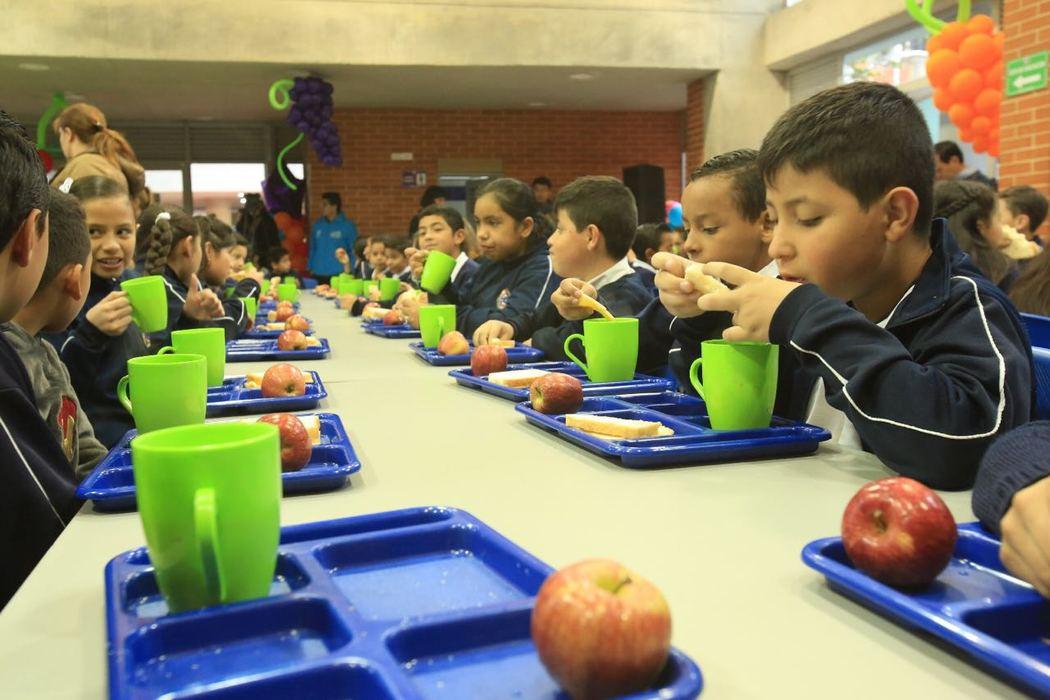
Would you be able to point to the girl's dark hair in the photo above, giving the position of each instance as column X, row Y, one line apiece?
column 168, row 227
column 1031, row 291
column 516, row 198
column 97, row 187
column 275, row 254
column 215, row 232
column 88, row 124
column 360, row 244
column 238, row 239
column 964, row 203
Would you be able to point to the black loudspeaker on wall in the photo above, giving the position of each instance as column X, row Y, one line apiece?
column 647, row 184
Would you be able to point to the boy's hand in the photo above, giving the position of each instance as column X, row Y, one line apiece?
column 416, row 260
column 753, row 301
column 374, row 294
column 201, row 304
column 408, row 305
column 677, row 294
column 566, row 299
column 493, row 330
column 112, row 315
column 1026, row 536
column 404, row 287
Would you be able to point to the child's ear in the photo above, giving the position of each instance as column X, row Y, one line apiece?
column 26, row 239
column 766, row 236
column 186, row 246
column 70, row 277
column 900, row 206
column 1022, row 222
column 594, row 237
column 459, row 236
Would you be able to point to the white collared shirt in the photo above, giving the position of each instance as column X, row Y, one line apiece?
column 460, row 262
column 621, row 269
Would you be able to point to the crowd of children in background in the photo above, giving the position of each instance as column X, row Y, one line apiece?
column 888, row 295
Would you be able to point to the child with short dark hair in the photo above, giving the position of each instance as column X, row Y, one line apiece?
column 174, row 251
column 278, row 261
column 102, row 338
column 901, row 346
column 442, row 229
column 394, row 250
column 1024, row 208
column 59, row 297
column 642, row 250
column 238, row 253
column 597, row 218
column 37, row 489
column 514, row 276
column 377, row 257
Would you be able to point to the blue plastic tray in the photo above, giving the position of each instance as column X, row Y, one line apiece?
column 395, row 332
column 518, row 353
column 694, row 441
column 975, row 605
column 243, row 350
column 257, row 332
column 232, row 397
column 642, row 383
column 112, row 483
column 418, row 603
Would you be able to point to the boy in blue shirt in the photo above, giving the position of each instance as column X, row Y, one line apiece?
column 330, row 232
column 900, row 345
column 37, row 490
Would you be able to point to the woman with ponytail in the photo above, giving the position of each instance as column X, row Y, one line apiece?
column 173, row 250
column 92, row 148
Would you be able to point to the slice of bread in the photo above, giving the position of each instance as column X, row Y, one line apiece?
column 517, row 378
column 313, row 428
column 615, row 427
column 312, row 342
column 703, row 282
column 502, row 342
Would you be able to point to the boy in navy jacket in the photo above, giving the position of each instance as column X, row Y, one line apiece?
column 597, row 218
column 37, row 490
column 441, row 228
column 901, row 346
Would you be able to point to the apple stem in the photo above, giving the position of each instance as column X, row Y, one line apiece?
column 621, row 584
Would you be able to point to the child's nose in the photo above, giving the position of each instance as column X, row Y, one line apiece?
column 780, row 248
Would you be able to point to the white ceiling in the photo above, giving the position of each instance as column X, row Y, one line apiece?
column 152, row 90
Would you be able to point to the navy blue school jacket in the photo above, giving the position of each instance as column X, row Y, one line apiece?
column 97, row 361
column 458, row 288
column 664, row 339
column 624, row 297
column 929, row 393
column 508, row 290
column 1014, row 462
column 236, row 319
column 37, row 487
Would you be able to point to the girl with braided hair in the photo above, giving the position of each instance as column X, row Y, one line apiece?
column 219, row 240
column 173, row 250
column 973, row 219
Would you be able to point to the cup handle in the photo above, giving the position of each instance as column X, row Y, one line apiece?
column 206, row 532
column 693, row 379
column 122, row 393
column 568, row 352
column 167, row 349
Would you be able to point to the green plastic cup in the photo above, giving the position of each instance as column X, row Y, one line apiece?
column 287, row 292
column 292, row 279
column 388, row 287
column 437, row 271
column 740, row 383
column 351, row 286
column 209, row 498
column 435, row 321
column 210, row 342
column 251, row 305
column 249, row 266
column 612, row 349
column 162, row 391
column 149, row 302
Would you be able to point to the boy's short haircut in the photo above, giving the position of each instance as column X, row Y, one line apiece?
column 1024, row 199
column 946, row 150
column 646, row 237
column 867, row 137
column 604, row 202
column 333, row 198
column 275, row 254
column 542, row 180
column 741, row 167
column 452, row 217
column 23, row 182
column 398, row 244
column 69, row 241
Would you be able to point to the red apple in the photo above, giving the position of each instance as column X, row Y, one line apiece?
column 283, row 380
column 393, row 318
column 899, row 532
column 297, row 323
column 556, row 393
column 295, row 441
column 291, row 340
column 453, row 343
column 488, row 359
column 601, row 630
column 283, row 313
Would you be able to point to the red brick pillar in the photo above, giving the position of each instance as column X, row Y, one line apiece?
column 694, row 125
column 1024, row 151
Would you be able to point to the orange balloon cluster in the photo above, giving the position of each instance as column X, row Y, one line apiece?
column 965, row 68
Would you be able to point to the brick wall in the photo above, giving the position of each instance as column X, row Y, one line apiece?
column 1025, row 124
column 694, row 126
column 560, row 145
